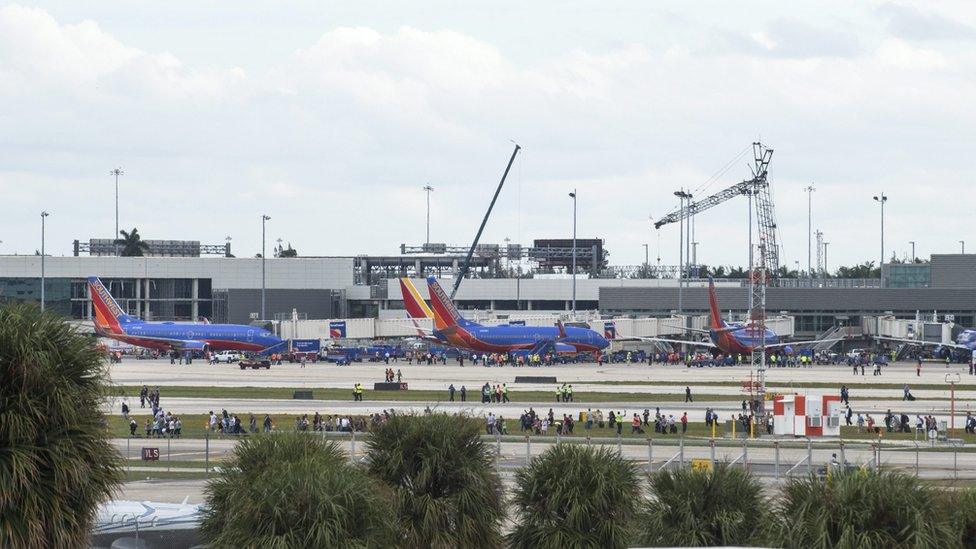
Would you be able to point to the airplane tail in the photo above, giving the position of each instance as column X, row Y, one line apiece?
column 446, row 314
column 109, row 317
column 416, row 307
column 716, row 313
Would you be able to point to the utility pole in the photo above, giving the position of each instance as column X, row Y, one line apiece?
column 428, row 188
column 573, row 196
column 826, row 271
column 646, row 260
column 264, row 218
column 881, row 200
column 682, row 196
column 809, row 190
column 43, row 216
column 116, row 172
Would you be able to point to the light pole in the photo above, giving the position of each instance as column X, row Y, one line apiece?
column 573, row 196
column 227, row 246
column 646, row 259
column 881, row 200
column 912, row 242
column 428, row 188
column 963, row 244
column 264, row 218
column 116, row 172
column 809, row 190
column 826, row 270
column 43, row 216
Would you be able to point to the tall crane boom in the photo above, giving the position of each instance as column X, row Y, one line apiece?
column 758, row 187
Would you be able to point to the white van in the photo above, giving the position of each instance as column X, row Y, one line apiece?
column 227, row 356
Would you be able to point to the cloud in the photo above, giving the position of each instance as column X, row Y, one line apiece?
column 791, row 38
column 909, row 23
column 335, row 138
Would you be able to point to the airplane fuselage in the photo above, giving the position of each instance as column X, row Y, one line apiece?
column 216, row 337
column 740, row 338
column 505, row 338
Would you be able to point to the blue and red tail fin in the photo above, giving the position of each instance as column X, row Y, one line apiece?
column 716, row 313
column 109, row 316
column 446, row 314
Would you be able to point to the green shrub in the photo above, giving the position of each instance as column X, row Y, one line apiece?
column 576, row 496
column 445, row 490
column 294, row 490
column 696, row 508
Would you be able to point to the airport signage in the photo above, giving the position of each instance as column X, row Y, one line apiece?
column 150, row 454
column 306, row 345
column 337, row 329
column 609, row 330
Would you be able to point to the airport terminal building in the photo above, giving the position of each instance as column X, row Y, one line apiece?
column 229, row 289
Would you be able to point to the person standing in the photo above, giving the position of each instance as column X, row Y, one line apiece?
column 450, row 393
column 684, row 423
column 464, row 394
column 918, row 366
column 688, row 394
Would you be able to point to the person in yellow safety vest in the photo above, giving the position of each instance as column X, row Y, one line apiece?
column 504, row 392
column 629, row 357
column 772, row 359
column 569, row 393
column 559, row 393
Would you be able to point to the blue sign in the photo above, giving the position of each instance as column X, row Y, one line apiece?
column 609, row 330
column 337, row 329
column 306, row 345
column 516, row 323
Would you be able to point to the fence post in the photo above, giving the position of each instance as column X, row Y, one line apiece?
column 712, row 444
column 877, row 462
column 557, row 437
column 650, row 455
column 955, row 463
column 776, row 460
column 528, row 450
column 589, row 441
column 128, row 456
column 843, row 455
column 745, row 454
column 681, row 451
column 206, row 452
column 809, row 456
column 168, row 453
column 352, row 445
column 916, row 460
column 620, row 446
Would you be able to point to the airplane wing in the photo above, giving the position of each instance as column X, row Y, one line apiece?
column 665, row 340
column 923, row 343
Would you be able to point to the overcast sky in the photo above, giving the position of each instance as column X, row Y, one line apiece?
column 331, row 117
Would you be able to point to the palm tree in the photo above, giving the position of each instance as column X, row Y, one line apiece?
column 294, row 490
column 132, row 244
column 445, row 490
column 695, row 508
column 56, row 461
column 576, row 496
column 962, row 505
column 861, row 508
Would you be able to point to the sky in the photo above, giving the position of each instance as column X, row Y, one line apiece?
column 331, row 117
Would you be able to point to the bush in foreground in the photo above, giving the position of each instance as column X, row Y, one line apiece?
column 862, row 509
column 294, row 490
column 576, row 496
column 698, row 508
column 56, row 461
column 446, row 492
